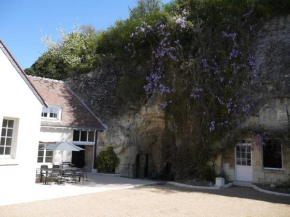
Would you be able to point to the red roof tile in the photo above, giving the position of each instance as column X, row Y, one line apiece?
column 75, row 113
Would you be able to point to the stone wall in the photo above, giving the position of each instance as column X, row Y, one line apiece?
column 273, row 118
column 260, row 174
column 272, row 100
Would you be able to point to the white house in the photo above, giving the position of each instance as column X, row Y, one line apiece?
column 66, row 119
column 20, row 110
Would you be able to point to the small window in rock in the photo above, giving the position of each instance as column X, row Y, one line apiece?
column 272, row 154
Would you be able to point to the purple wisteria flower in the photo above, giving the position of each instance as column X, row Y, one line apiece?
column 212, row 126
column 181, row 21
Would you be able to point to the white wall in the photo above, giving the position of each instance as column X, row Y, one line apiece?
column 56, row 135
column 18, row 101
column 48, row 134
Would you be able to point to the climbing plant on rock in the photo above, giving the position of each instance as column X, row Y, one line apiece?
column 202, row 66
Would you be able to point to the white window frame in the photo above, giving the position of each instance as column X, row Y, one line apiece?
column 84, row 142
column 58, row 111
column 44, row 154
column 271, row 168
column 13, row 138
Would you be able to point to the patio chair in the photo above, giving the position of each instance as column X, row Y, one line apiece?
column 55, row 166
column 55, row 174
column 68, row 175
column 41, row 172
column 78, row 174
column 85, row 170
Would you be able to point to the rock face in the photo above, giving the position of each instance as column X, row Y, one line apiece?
column 135, row 133
column 273, row 55
column 272, row 85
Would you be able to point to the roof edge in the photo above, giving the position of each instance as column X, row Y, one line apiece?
column 21, row 72
column 45, row 79
column 105, row 127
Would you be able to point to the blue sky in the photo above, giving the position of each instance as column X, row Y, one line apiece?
column 22, row 21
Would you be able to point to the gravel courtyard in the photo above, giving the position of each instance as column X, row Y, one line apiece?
column 158, row 200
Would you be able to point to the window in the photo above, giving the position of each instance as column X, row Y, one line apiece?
column 51, row 113
column 83, row 136
column 76, row 136
column 272, row 154
column 44, row 112
column 243, row 155
column 44, row 156
column 6, row 137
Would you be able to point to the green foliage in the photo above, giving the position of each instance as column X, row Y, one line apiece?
column 145, row 8
column 49, row 67
column 208, row 173
column 107, row 160
column 74, row 54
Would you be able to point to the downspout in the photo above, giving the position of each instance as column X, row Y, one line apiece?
column 95, row 151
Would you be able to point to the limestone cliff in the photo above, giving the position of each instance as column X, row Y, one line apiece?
column 131, row 130
column 272, row 85
column 136, row 133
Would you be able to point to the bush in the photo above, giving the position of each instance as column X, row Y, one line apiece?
column 107, row 160
column 208, row 173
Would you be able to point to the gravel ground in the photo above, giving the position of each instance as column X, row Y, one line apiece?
column 158, row 200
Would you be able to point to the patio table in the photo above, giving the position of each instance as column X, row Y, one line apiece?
column 49, row 170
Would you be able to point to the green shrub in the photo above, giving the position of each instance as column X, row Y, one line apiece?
column 208, row 173
column 107, row 160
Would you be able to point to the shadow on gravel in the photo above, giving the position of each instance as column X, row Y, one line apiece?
column 234, row 191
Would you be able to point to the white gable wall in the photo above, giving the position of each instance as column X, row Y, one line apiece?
column 19, row 102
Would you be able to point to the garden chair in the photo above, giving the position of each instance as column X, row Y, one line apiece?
column 55, row 174
column 68, row 175
column 79, row 173
column 42, row 174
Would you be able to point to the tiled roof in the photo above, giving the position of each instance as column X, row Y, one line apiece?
column 75, row 114
column 21, row 72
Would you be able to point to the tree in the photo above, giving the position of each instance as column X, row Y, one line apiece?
column 145, row 7
column 74, row 54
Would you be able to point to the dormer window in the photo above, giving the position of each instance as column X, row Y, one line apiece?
column 51, row 113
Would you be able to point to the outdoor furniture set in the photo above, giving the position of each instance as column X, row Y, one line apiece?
column 65, row 173
column 61, row 174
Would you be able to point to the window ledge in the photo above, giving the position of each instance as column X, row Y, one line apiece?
column 8, row 162
column 48, row 164
column 50, row 120
column 268, row 170
column 83, row 143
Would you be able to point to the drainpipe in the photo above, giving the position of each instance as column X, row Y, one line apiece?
column 95, row 153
